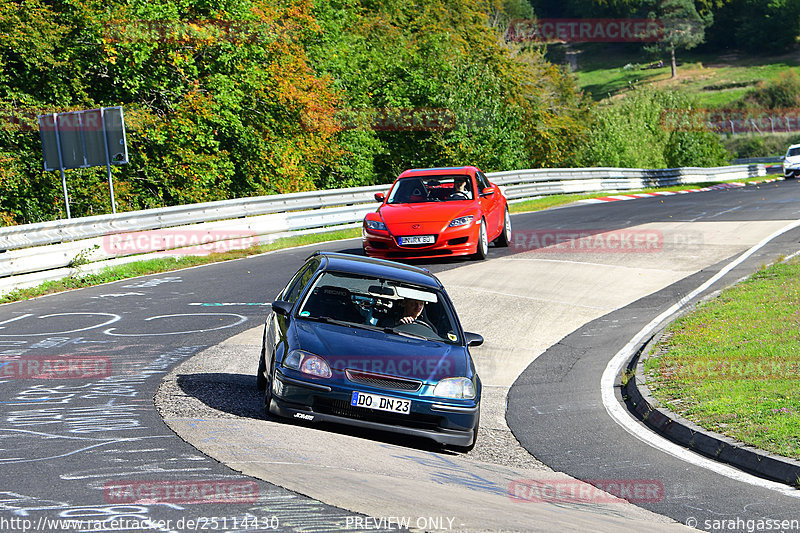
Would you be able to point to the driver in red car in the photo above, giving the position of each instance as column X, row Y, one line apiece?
column 460, row 191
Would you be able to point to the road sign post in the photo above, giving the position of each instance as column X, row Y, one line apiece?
column 82, row 139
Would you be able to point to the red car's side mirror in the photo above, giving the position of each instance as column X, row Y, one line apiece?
column 488, row 191
column 379, row 196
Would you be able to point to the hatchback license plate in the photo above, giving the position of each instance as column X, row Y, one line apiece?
column 380, row 403
column 418, row 239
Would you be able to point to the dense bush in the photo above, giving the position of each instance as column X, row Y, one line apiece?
column 744, row 146
column 694, row 149
column 783, row 92
column 640, row 130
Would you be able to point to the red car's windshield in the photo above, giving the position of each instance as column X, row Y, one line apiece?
column 431, row 189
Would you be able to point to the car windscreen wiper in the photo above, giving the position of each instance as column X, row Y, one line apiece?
column 405, row 334
column 329, row 320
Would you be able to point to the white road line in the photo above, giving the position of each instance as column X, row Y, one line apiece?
column 627, row 422
column 726, row 211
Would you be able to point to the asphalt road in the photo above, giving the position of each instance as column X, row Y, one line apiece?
column 555, row 407
column 90, row 445
column 80, row 448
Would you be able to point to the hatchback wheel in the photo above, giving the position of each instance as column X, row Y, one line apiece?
column 268, row 393
column 261, row 379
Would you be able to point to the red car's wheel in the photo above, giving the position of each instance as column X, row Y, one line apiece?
column 505, row 237
column 483, row 242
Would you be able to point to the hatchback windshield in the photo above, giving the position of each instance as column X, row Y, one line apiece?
column 431, row 189
column 794, row 151
column 380, row 304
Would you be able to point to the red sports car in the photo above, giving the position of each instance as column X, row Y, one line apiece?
column 438, row 212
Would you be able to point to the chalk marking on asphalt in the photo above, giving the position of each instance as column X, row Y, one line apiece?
column 26, row 315
column 242, row 319
column 625, row 420
column 114, row 318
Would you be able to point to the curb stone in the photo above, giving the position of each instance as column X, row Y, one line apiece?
column 621, row 195
column 688, row 434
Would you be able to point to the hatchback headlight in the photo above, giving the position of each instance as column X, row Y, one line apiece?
column 461, row 221
column 375, row 225
column 458, row 388
column 307, row 363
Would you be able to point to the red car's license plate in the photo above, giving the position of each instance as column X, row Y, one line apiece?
column 418, row 239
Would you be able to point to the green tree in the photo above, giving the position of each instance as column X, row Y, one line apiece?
column 490, row 105
column 248, row 97
column 683, row 27
column 220, row 99
column 755, row 26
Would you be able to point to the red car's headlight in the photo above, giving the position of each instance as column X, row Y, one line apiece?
column 375, row 225
column 461, row 221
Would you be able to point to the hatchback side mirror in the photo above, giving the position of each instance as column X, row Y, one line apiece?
column 488, row 191
column 282, row 308
column 379, row 196
column 473, row 339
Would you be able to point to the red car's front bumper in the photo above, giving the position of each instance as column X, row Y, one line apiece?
column 461, row 240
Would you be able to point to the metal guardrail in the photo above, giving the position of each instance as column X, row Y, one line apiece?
column 529, row 183
column 773, row 160
column 53, row 245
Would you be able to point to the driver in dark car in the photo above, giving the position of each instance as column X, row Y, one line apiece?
column 411, row 310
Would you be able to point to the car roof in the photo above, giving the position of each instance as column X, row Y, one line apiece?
column 379, row 268
column 793, row 146
column 439, row 170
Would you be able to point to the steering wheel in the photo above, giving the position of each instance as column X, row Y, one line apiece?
column 418, row 323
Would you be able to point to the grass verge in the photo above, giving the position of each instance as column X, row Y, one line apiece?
column 733, row 364
column 154, row 266
column 714, row 81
